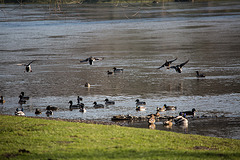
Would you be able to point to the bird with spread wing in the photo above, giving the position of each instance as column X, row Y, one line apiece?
column 178, row 68
column 27, row 66
column 167, row 64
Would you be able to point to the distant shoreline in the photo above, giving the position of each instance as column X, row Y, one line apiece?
column 96, row 1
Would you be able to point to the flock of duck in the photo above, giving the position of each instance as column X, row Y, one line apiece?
column 181, row 119
column 140, row 106
column 90, row 60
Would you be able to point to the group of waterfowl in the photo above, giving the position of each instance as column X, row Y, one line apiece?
column 140, row 106
column 178, row 68
column 180, row 120
column 90, row 60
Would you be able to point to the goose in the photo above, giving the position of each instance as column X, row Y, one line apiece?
column 19, row 112
column 98, row 105
column 178, row 68
column 38, row 111
column 71, row 107
column 140, row 108
column 199, row 75
column 167, row 64
column 21, row 96
column 139, row 103
column 21, row 101
column 91, row 59
column 2, row 100
column 117, row 70
column 49, row 113
column 170, row 107
column 52, row 108
column 82, row 108
column 107, row 102
column 190, row 113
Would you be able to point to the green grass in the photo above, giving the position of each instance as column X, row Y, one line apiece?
column 52, row 139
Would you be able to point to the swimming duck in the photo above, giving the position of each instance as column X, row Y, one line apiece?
column 49, row 113
column 2, row 100
column 21, row 96
column 167, row 64
column 98, row 105
column 21, row 101
column 28, row 67
column 170, row 107
column 181, row 120
column 91, row 59
column 139, row 103
column 19, row 112
column 178, row 68
column 71, row 107
column 190, row 113
column 140, row 108
column 87, row 85
column 161, row 109
column 152, row 119
column 51, row 108
column 107, row 102
column 38, row 111
column 117, row 70
column 199, row 75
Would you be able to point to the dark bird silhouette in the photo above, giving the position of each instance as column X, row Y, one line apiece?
column 37, row 112
column 178, row 68
column 98, row 105
column 108, row 102
column 167, row 64
column 110, row 73
column 189, row 113
column 28, row 67
column 117, row 70
column 91, row 59
column 138, row 102
column 199, row 75
column 2, row 100
column 21, row 96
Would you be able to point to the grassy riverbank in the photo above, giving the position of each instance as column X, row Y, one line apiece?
column 33, row 138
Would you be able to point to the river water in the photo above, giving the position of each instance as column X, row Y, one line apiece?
column 136, row 37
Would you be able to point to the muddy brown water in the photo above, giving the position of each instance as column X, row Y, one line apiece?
column 139, row 40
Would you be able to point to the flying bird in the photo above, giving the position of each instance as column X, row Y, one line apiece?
column 178, row 68
column 91, row 59
column 27, row 66
column 167, row 64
